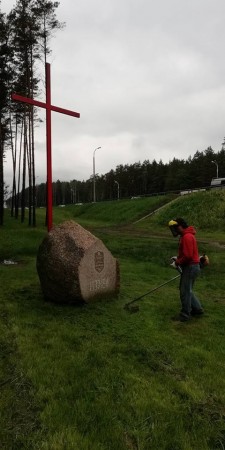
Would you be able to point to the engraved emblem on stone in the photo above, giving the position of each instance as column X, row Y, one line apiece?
column 99, row 261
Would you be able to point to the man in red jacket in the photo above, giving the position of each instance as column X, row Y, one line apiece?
column 188, row 260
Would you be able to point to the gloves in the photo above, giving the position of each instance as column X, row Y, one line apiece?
column 174, row 265
column 204, row 260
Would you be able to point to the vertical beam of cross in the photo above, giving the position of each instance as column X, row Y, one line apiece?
column 49, row 146
column 49, row 108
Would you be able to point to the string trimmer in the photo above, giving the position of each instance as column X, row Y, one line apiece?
column 204, row 261
column 136, row 308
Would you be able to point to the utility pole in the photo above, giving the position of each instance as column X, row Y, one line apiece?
column 118, row 189
column 217, row 168
column 94, row 193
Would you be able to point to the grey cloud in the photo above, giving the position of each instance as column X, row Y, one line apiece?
column 146, row 76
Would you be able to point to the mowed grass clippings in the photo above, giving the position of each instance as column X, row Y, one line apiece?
column 99, row 377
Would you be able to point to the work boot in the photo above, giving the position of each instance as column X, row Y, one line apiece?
column 197, row 311
column 184, row 317
column 181, row 318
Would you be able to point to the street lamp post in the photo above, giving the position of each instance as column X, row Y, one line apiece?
column 72, row 195
column 94, row 193
column 118, row 189
column 217, row 168
column 36, row 190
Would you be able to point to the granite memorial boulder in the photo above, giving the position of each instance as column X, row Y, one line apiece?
column 74, row 266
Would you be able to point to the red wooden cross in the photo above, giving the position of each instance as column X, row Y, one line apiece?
column 47, row 105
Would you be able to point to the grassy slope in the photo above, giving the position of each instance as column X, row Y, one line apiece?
column 117, row 212
column 99, row 377
column 203, row 209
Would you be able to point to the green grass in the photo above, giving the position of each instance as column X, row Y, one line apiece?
column 206, row 210
column 99, row 377
column 116, row 212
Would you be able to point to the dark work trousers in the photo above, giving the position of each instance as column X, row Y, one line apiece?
column 187, row 297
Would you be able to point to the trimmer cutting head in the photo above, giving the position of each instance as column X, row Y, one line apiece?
column 131, row 308
column 135, row 308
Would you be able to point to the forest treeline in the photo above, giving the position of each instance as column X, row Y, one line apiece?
column 139, row 180
column 25, row 34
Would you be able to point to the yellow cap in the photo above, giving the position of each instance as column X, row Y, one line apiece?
column 172, row 223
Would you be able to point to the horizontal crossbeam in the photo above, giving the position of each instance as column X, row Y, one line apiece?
column 31, row 101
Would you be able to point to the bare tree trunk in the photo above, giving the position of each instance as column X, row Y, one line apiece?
column 29, row 170
column 1, row 176
column 19, row 175
column 16, row 200
column 33, row 172
column 14, row 168
column 31, row 140
column 24, row 172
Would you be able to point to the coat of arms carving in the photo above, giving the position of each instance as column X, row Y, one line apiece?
column 99, row 261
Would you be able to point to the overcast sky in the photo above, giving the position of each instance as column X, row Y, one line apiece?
column 148, row 78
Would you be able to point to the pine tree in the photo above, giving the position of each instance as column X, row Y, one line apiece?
column 32, row 23
column 4, row 89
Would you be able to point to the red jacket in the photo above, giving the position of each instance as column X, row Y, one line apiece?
column 188, row 249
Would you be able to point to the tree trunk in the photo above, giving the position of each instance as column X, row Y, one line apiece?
column 24, row 172
column 1, row 177
column 14, row 169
